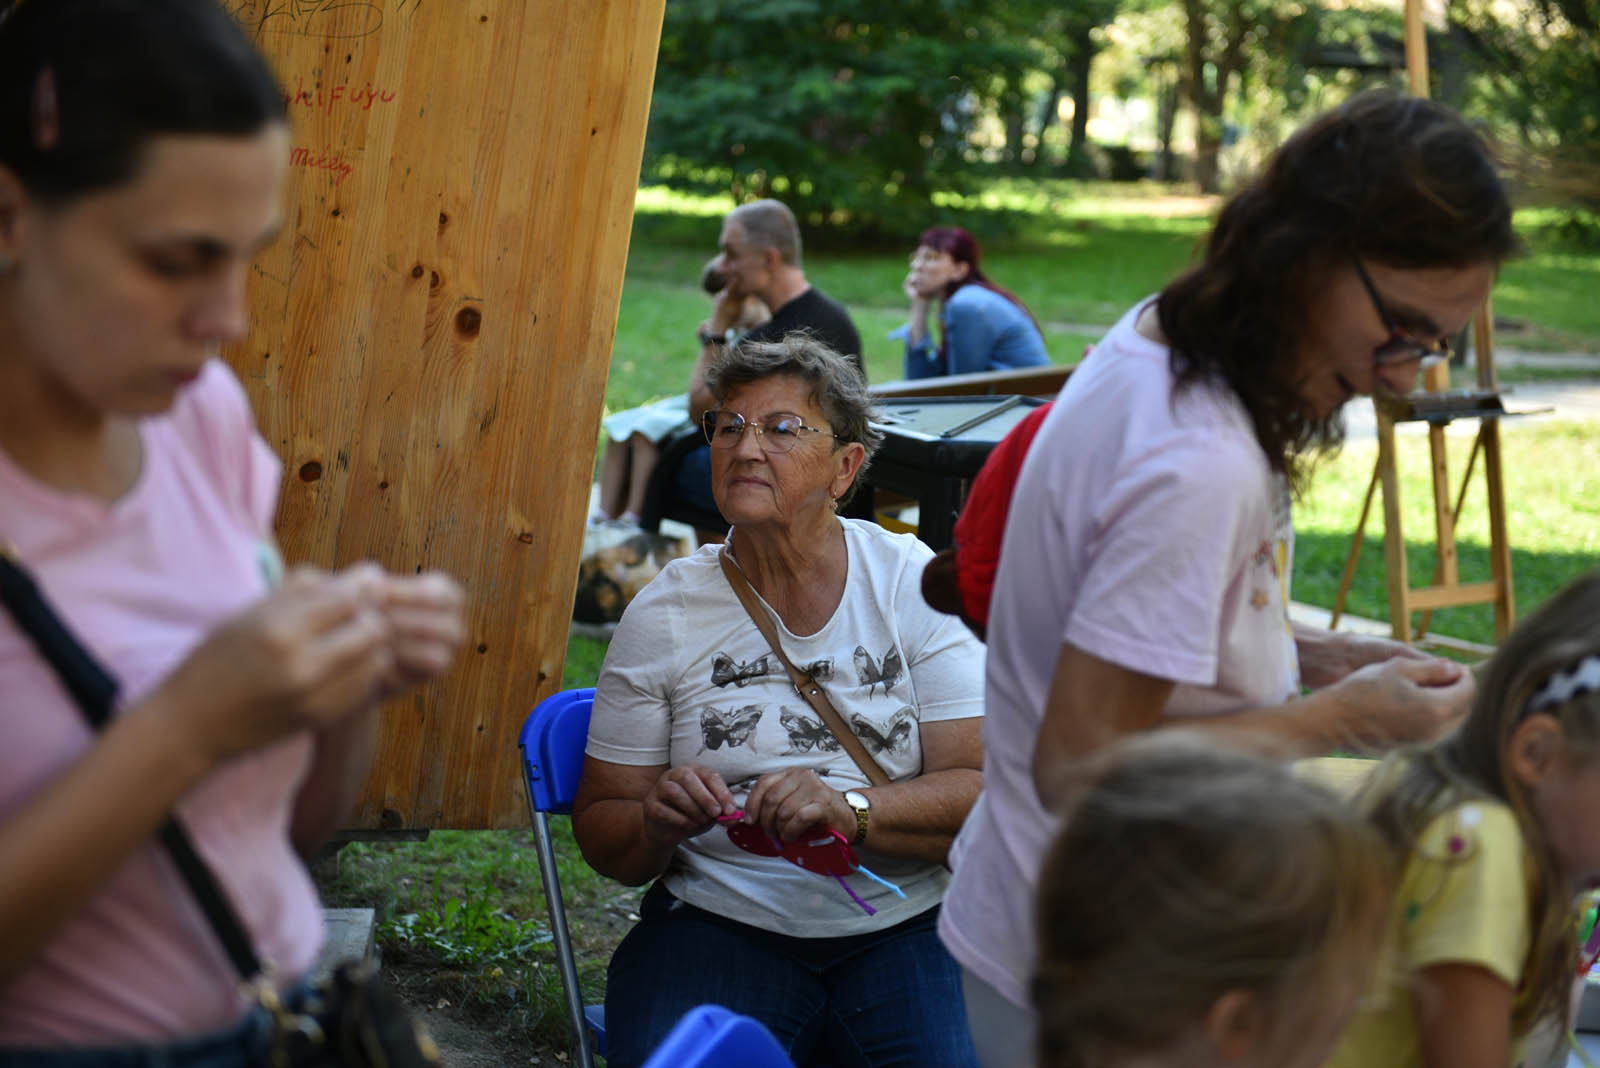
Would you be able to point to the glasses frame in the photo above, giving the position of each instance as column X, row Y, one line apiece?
column 1411, row 348
column 708, row 423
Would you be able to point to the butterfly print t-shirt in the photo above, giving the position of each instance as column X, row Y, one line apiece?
column 690, row 680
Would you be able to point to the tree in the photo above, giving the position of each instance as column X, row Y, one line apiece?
column 853, row 111
column 1540, row 80
column 1218, row 32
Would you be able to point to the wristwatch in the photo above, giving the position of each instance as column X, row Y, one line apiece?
column 862, row 806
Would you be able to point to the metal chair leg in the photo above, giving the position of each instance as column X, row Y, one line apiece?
column 551, row 880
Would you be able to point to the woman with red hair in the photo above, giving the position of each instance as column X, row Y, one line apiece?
column 982, row 326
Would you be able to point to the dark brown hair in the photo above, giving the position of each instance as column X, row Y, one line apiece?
column 86, row 84
column 1398, row 180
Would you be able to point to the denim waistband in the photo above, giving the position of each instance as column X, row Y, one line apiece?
column 242, row 1045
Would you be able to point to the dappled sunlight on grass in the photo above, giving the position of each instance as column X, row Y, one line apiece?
column 660, row 200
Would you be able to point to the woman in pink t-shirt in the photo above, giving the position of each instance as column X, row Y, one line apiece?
column 1144, row 572
column 142, row 153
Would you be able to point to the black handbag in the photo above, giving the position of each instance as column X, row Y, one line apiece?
column 350, row 1020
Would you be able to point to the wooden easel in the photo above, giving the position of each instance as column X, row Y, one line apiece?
column 1446, row 590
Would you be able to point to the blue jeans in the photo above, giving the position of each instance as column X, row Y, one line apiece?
column 887, row 998
column 245, row 1044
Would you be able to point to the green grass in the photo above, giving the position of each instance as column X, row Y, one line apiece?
column 1078, row 254
column 1043, row 241
column 1552, row 487
column 461, row 924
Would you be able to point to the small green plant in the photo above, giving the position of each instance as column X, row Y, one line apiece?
column 467, row 930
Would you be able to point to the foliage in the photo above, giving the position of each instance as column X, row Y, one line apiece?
column 466, row 929
column 461, row 922
column 1541, row 78
column 851, row 111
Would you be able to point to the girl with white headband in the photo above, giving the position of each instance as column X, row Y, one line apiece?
column 1499, row 825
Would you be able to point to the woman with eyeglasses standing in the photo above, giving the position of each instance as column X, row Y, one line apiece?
column 1144, row 575
column 699, row 738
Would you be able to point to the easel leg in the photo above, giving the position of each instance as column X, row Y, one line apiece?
column 1448, row 567
column 1505, row 611
column 1394, row 541
column 1455, row 524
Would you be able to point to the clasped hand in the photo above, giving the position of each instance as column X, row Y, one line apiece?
column 1403, row 700
column 319, row 648
column 689, row 799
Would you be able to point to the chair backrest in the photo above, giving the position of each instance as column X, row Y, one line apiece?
column 552, row 741
column 711, row 1036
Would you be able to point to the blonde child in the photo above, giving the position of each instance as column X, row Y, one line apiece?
column 1204, row 908
column 1499, row 827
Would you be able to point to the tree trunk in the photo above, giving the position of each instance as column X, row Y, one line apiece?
column 1207, row 96
column 1082, row 59
column 1166, row 118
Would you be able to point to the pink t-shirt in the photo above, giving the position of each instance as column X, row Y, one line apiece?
column 141, row 582
column 1148, row 529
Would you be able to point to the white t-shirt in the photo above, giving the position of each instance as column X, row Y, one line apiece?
column 1148, row 529
column 690, row 680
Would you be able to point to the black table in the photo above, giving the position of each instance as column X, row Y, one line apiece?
column 934, row 446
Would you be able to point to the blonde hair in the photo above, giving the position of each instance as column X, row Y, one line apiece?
column 1186, row 871
column 1472, row 761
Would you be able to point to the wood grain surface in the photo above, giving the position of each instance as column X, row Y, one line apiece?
column 432, row 333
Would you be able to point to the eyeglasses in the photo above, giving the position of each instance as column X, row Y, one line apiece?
column 1401, row 346
column 777, row 434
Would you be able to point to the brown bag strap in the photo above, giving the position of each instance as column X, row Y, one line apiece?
column 804, row 684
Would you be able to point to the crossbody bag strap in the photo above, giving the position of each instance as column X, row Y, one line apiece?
column 95, row 691
column 804, row 684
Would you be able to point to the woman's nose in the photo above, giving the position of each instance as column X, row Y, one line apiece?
column 223, row 313
column 1399, row 377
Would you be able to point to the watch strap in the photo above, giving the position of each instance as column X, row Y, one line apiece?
column 863, row 821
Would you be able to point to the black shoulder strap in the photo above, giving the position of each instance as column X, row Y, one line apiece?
column 96, row 691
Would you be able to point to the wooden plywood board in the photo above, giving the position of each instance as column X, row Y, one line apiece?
column 432, row 333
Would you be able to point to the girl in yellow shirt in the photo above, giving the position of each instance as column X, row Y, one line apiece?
column 1499, row 828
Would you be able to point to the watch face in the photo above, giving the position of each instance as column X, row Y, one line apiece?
column 856, row 799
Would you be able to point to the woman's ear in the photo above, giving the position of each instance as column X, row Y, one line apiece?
column 1533, row 747
column 849, row 460
column 1234, row 1025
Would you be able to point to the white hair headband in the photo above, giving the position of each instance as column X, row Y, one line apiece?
column 1563, row 686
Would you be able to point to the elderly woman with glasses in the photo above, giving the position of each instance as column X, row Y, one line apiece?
column 701, row 749
column 1144, row 577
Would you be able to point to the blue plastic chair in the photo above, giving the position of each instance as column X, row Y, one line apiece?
column 711, row 1036
column 552, row 742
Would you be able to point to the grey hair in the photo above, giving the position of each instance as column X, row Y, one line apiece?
column 770, row 224
column 837, row 386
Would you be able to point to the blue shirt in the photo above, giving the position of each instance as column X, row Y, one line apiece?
column 986, row 332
